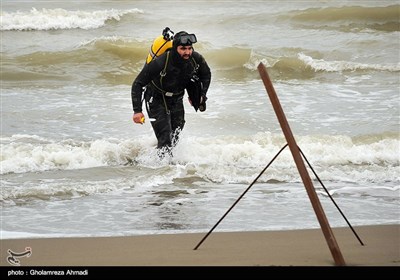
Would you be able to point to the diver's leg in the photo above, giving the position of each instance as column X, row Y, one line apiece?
column 161, row 123
column 177, row 119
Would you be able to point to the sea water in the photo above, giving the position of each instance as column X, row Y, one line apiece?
column 74, row 164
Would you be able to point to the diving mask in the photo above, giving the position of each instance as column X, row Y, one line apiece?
column 187, row 39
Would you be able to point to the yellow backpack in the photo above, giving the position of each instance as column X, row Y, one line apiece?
column 160, row 44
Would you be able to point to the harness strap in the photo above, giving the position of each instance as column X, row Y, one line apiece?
column 196, row 65
column 162, row 75
column 164, row 71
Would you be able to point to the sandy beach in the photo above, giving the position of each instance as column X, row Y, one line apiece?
column 266, row 248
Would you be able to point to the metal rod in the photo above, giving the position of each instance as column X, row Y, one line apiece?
column 319, row 180
column 323, row 221
column 240, row 197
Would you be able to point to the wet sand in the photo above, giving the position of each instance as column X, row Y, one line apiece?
column 264, row 248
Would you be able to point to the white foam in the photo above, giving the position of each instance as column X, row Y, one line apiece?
column 47, row 19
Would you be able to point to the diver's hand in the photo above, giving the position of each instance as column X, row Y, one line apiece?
column 203, row 98
column 138, row 118
column 202, row 106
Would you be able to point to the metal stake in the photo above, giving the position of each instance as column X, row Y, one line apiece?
column 323, row 221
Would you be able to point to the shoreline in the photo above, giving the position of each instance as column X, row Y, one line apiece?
column 305, row 247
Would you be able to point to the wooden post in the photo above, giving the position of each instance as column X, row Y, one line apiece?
column 330, row 239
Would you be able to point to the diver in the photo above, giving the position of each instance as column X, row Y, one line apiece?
column 163, row 82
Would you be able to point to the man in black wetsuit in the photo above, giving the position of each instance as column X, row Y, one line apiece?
column 164, row 81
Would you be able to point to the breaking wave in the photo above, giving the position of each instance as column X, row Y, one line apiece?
column 117, row 60
column 348, row 19
column 53, row 19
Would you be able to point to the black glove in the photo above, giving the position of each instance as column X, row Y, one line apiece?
column 202, row 106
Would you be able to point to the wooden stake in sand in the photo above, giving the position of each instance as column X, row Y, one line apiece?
column 323, row 221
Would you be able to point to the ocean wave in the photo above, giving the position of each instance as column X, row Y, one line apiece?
column 51, row 189
column 241, row 155
column 53, row 19
column 340, row 66
column 70, row 168
column 116, row 60
column 345, row 18
column 348, row 18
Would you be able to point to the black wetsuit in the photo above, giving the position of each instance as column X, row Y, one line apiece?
column 164, row 95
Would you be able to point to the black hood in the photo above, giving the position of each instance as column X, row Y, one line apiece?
column 176, row 58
